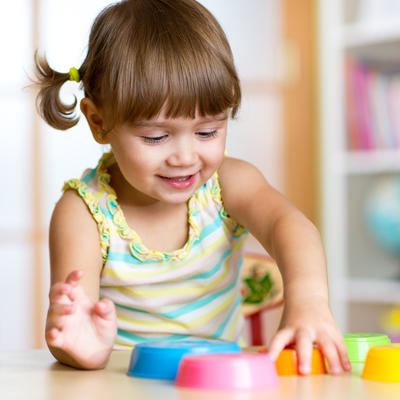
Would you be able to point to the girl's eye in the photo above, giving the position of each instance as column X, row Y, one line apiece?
column 153, row 139
column 207, row 134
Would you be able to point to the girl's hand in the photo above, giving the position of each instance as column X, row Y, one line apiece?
column 79, row 332
column 306, row 324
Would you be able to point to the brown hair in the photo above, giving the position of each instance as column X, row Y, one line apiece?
column 142, row 55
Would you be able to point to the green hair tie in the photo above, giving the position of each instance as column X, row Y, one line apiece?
column 74, row 75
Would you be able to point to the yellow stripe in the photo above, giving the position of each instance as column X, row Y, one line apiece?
column 128, row 346
column 128, row 274
column 203, row 201
column 174, row 325
column 212, row 313
column 174, row 291
column 170, row 325
column 233, row 326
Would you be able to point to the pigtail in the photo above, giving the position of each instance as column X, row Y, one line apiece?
column 49, row 105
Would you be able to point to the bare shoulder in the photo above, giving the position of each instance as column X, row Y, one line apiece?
column 69, row 203
column 74, row 242
column 234, row 170
column 239, row 180
column 249, row 198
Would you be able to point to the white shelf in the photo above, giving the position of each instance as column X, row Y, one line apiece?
column 371, row 162
column 347, row 176
column 378, row 43
column 378, row 33
column 373, row 291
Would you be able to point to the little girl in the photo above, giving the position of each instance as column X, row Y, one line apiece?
column 148, row 244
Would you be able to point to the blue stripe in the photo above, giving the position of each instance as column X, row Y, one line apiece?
column 214, row 270
column 210, row 228
column 221, row 328
column 107, row 213
column 137, row 338
column 131, row 308
column 90, row 175
column 200, row 303
column 128, row 258
column 238, row 235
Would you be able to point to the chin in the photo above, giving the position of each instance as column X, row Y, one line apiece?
column 177, row 199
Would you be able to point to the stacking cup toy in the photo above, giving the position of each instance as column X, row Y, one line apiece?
column 286, row 363
column 358, row 345
column 160, row 359
column 383, row 363
column 244, row 371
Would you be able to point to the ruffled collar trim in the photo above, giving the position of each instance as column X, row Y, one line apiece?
column 136, row 246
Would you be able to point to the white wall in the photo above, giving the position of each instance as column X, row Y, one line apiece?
column 15, row 142
column 254, row 33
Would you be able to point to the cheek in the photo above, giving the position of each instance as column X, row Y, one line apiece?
column 216, row 154
column 135, row 156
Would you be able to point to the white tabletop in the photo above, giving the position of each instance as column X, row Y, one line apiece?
column 35, row 374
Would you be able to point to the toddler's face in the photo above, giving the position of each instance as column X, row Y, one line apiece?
column 168, row 159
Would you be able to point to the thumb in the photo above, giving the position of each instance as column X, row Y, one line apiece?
column 105, row 309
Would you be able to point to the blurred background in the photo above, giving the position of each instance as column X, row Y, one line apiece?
column 320, row 118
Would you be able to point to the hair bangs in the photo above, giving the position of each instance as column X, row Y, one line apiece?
column 177, row 75
column 177, row 86
column 201, row 85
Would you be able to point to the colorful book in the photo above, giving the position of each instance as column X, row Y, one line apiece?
column 379, row 107
column 393, row 96
column 362, row 105
column 353, row 135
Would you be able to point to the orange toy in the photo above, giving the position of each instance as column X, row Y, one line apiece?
column 286, row 364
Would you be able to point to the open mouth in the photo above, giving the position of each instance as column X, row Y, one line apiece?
column 178, row 178
column 179, row 182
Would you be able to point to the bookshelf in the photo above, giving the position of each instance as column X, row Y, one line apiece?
column 364, row 278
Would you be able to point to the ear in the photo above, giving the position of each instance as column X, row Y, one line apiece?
column 94, row 119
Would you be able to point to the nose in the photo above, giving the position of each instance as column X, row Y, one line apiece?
column 183, row 153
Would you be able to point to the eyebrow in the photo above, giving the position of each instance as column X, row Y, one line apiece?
column 150, row 123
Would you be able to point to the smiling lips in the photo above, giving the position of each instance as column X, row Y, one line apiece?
column 179, row 182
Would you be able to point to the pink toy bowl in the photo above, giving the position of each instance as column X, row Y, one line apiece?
column 227, row 371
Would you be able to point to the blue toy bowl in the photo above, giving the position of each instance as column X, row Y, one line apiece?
column 160, row 359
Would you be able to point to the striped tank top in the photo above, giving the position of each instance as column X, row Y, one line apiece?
column 193, row 292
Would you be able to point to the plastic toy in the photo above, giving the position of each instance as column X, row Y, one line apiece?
column 160, row 359
column 358, row 345
column 383, row 363
column 227, row 372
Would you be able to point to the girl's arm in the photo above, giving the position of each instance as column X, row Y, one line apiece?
column 80, row 329
column 74, row 243
column 295, row 244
